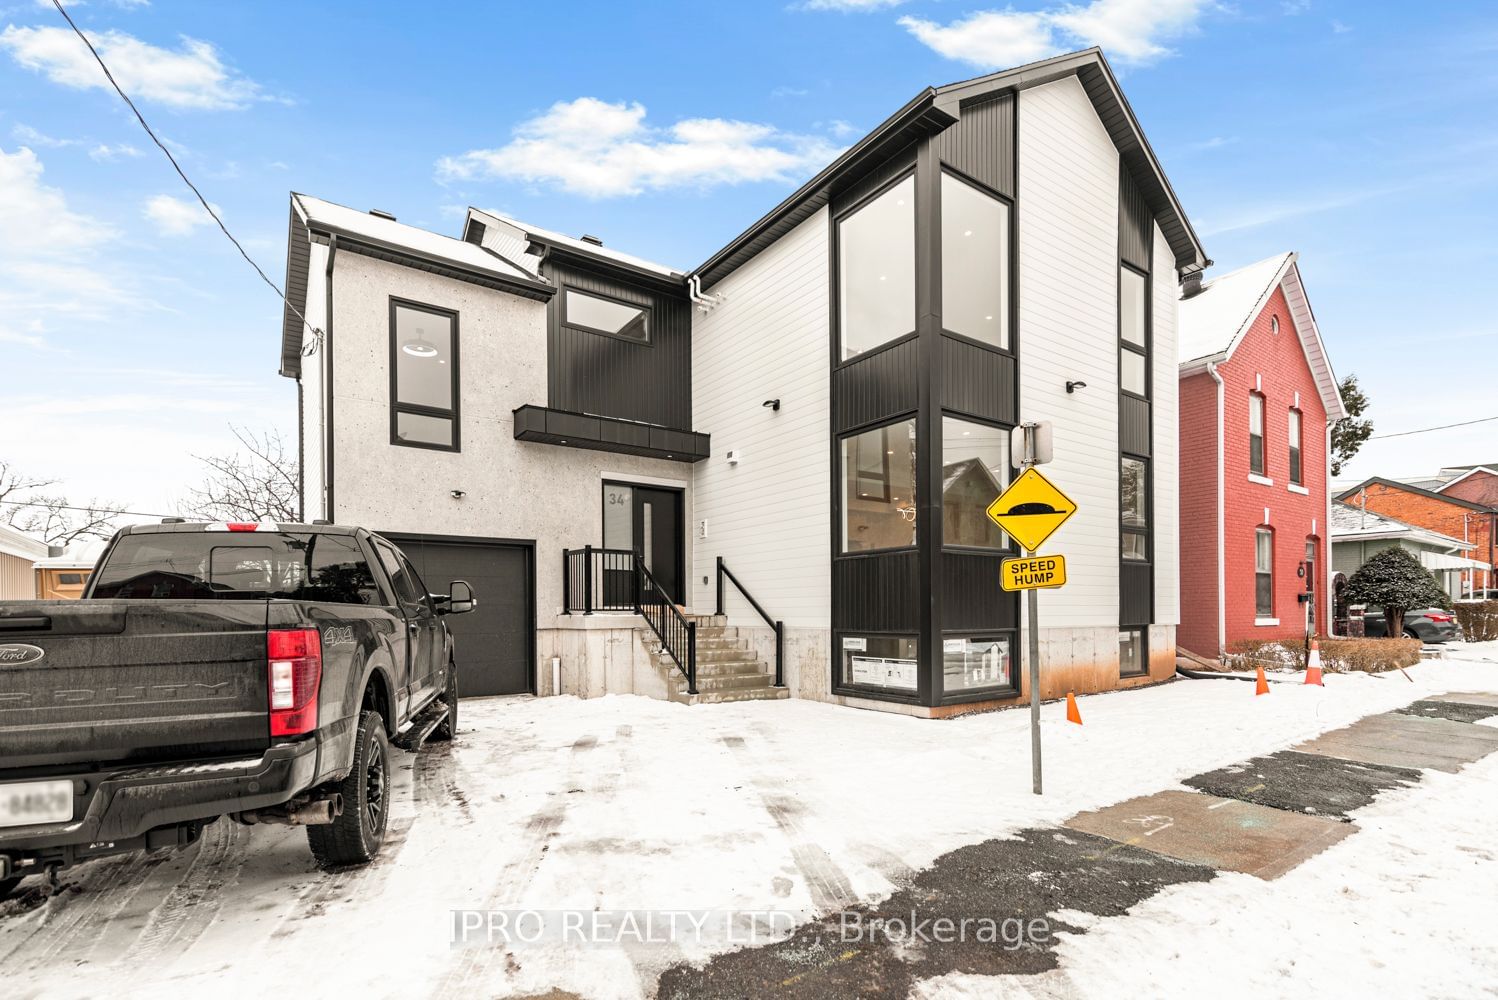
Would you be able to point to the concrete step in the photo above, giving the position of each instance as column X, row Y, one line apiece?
column 752, row 694
column 721, row 642
column 725, row 682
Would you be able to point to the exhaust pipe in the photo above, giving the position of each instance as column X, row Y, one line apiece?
column 318, row 812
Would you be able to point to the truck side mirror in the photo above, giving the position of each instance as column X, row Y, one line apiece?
column 460, row 598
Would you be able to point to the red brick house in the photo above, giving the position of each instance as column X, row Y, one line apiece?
column 1258, row 397
column 1450, row 508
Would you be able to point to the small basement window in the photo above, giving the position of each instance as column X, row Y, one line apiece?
column 1133, row 652
column 606, row 316
column 881, row 661
column 977, row 664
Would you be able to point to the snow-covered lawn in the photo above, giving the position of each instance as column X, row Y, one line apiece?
column 623, row 803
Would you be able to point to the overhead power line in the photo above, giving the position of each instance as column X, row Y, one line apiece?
column 1427, row 430
column 86, row 510
column 178, row 167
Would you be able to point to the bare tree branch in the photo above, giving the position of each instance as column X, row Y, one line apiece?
column 258, row 483
column 50, row 516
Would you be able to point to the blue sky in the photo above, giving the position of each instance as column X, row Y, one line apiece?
column 131, row 335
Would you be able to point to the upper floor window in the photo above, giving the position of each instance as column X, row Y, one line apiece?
column 974, row 262
column 1294, row 437
column 1134, row 508
column 1256, row 434
column 974, row 471
column 1264, row 573
column 1133, row 331
column 876, row 270
column 610, row 317
column 423, row 376
column 879, row 488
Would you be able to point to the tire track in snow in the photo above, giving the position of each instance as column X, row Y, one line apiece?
column 191, row 907
column 65, row 921
column 471, row 966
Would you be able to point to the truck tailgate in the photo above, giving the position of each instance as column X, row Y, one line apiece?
column 116, row 681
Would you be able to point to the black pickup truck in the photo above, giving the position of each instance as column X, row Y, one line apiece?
column 255, row 671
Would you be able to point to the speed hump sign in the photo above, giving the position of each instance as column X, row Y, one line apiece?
column 1031, row 509
column 1033, row 573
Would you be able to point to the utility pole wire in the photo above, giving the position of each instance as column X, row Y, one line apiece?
column 1427, row 430
column 87, row 510
column 177, row 167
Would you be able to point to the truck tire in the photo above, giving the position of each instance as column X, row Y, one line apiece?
column 355, row 836
column 7, row 885
column 448, row 727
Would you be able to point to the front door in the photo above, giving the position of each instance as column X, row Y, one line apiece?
column 649, row 521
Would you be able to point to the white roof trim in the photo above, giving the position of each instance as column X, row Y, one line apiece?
column 21, row 545
column 526, row 231
column 1286, row 277
column 1464, row 475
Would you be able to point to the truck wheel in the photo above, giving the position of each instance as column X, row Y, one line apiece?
column 7, row 885
column 448, row 727
column 355, row 836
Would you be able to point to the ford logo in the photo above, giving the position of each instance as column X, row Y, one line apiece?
column 16, row 654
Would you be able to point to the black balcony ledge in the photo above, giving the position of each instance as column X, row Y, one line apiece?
column 545, row 425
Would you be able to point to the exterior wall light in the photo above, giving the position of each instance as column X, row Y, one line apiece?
column 773, row 404
column 1072, row 387
column 457, row 494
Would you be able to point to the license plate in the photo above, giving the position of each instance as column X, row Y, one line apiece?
column 27, row 802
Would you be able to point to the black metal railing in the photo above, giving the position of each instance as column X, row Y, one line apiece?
column 596, row 579
column 778, row 626
column 677, row 633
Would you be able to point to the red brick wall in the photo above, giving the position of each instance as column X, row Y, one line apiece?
column 1435, row 514
column 1479, row 487
column 1279, row 360
column 1198, row 486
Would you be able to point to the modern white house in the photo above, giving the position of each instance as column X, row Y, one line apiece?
column 684, row 482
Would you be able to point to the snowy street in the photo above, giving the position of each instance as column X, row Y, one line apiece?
column 768, row 816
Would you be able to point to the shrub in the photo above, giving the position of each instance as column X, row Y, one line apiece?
column 1395, row 581
column 1479, row 620
column 1338, row 655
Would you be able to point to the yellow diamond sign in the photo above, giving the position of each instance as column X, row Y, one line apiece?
column 1031, row 509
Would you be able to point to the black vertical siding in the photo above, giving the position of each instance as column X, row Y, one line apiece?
column 876, row 593
column 875, row 179
column 981, row 144
column 1134, row 222
column 971, row 597
column 591, row 373
column 1136, row 593
column 876, row 386
column 1134, row 426
column 978, row 382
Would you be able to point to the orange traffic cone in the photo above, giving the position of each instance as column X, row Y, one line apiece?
column 1263, row 686
column 1072, row 714
column 1313, row 664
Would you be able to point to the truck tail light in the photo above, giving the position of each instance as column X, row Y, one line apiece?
column 294, row 658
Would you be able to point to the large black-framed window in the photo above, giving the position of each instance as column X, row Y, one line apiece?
column 1134, row 508
column 876, row 267
column 424, row 394
column 979, row 662
column 878, row 488
column 974, row 471
column 887, row 663
column 1256, row 433
column 606, row 316
column 976, row 297
column 1264, row 572
column 1293, row 439
column 1133, row 331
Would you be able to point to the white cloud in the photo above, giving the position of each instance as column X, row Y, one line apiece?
column 1131, row 31
column 35, row 220
column 32, row 137
column 190, row 77
column 104, row 152
column 598, row 149
column 177, row 216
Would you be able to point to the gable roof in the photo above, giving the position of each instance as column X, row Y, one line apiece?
column 21, row 545
column 544, row 239
column 1418, row 491
column 935, row 109
column 1213, row 322
column 314, row 220
column 1350, row 523
column 1471, row 471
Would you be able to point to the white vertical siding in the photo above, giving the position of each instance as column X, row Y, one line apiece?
column 1166, row 466
column 1068, row 329
column 767, row 516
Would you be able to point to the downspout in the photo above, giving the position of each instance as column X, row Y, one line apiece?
column 327, row 410
column 1222, row 556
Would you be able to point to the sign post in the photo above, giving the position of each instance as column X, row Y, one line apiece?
column 1031, row 510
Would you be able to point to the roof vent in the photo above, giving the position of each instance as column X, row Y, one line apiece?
column 1191, row 285
column 588, row 238
column 380, row 213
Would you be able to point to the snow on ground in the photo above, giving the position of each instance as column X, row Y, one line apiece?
column 1403, row 908
column 623, row 803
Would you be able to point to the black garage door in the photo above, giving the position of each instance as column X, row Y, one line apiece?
column 496, row 640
